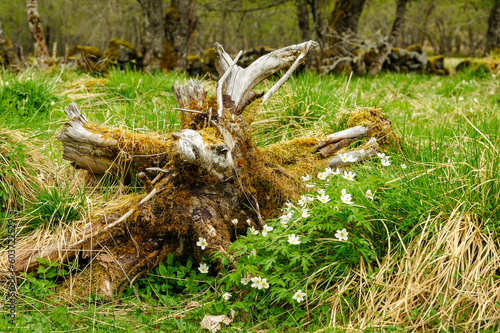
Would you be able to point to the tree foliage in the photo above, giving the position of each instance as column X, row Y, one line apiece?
column 450, row 27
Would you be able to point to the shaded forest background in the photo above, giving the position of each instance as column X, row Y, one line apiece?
column 449, row 27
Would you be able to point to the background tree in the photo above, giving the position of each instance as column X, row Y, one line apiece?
column 303, row 19
column 318, row 18
column 385, row 49
column 8, row 49
column 453, row 27
column 180, row 22
column 493, row 33
column 345, row 16
column 153, row 33
column 35, row 26
column 339, row 42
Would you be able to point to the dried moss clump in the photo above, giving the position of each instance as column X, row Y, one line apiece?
column 87, row 57
column 276, row 173
column 435, row 65
column 490, row 65
column 378, row 125
column 121, row 53
column 208, row 63
column 415, row 48
column 143, row 146
column 194, row 66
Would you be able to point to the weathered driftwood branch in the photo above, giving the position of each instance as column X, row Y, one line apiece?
column 191, row 95
column 366, row 151
column 220, row 85
column 241, row 81
column 88, row 150
column 332, row 143
column 289, row 72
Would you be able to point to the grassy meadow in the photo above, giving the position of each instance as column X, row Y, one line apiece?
column 422, row 251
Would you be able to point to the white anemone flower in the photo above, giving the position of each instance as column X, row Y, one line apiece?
column 266, row 229
column 322, row 175
column 284, row 219
column 324, row 198
column 226, row 296
column 249, row 222
column 381, row 155
column 244, row 281
column 203, row 268
column 256, row 281
column 344, row 158
column 306, row 178
column 294, row 240
column 305, row 213
column 253, row 231
column 302, row 201
column 202, row 242
column 385, row 162
column 346, row 199
column 403, row 166
column 234, row 221
column 263, row 284
column 329, row 171
column 310, row 185
column 336, row 172
column 349, row 175
column 351, row 159
column 341, row 234
column 321, row 191
column 299, row 296
column 369, row 194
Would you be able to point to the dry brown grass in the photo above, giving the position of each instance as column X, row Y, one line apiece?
column 37, row 172
column 445, row 280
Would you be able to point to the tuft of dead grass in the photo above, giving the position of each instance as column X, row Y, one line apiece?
column 445, row 280
column 24, row 168
column 27, row 170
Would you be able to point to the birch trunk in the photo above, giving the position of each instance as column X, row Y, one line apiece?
column 35, row 25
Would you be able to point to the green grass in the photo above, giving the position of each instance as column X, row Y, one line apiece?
column 450, row 132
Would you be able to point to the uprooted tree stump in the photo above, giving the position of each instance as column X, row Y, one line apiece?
column 196, row 180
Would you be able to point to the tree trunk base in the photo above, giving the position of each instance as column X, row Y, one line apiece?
column 200, row 179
